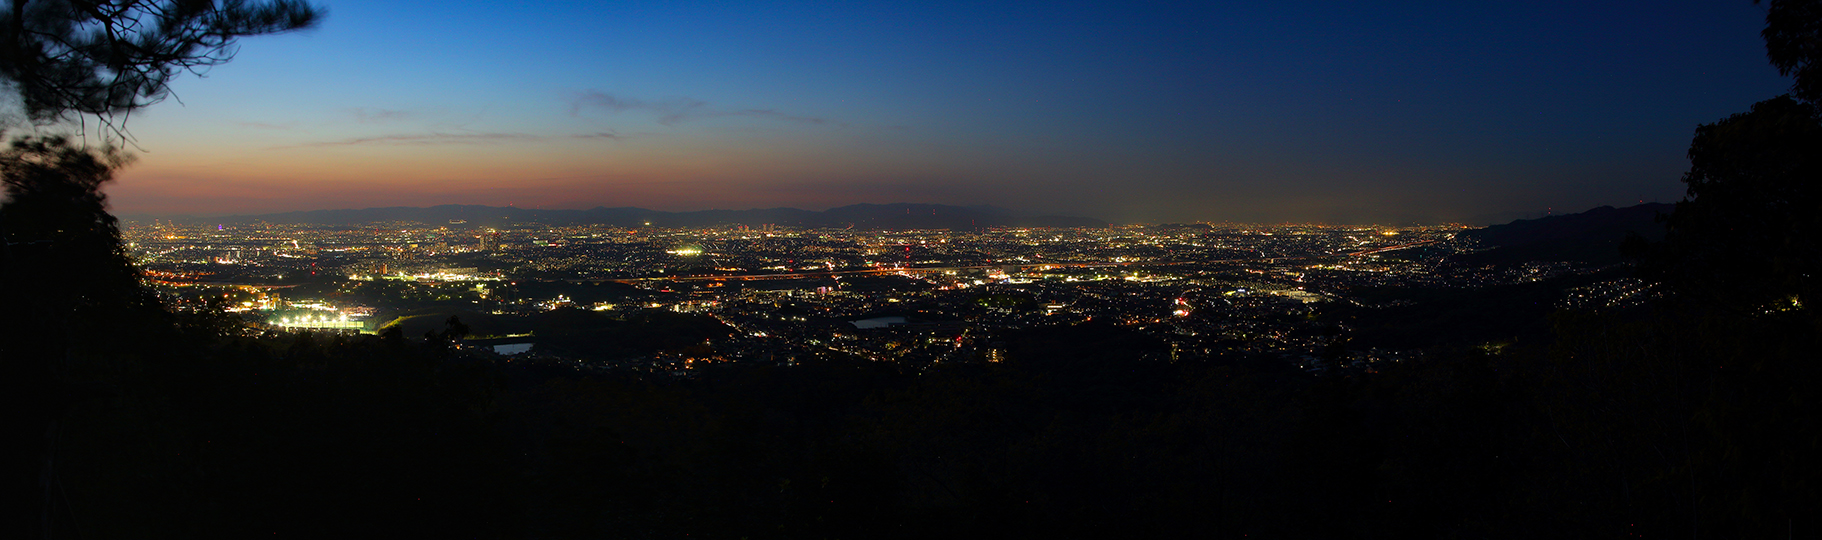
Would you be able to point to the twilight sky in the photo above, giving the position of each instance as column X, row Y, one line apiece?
column 1128, row 111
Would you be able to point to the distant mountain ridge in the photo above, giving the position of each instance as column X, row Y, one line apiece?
column 898, row 216
column 1591, row 237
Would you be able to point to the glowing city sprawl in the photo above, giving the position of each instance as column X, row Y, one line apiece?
column 916, row 298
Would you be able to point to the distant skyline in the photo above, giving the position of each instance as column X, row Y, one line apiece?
column 1330, row 112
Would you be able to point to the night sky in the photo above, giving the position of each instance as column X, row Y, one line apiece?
column 1284, row 111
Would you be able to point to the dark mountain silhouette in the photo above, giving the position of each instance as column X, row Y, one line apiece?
column 862, row 216
column 1592, row 237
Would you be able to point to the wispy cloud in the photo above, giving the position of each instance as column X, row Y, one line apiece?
column 675, row 111
column 425, row 139
column 431, row 139
column 609, row 135
column 366, row 115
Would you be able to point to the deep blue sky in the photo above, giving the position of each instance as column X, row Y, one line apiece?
column 1318, row 111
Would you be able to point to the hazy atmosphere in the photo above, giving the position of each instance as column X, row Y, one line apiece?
column 1326, row 112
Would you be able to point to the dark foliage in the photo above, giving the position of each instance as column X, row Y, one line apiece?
column 590, row 335
column 1745, row 237
column 58, row 233
column 1427, row 318
column 65, row 278
column 1793, row 41
column 140, row 423
column 106, row 57
column 319, row 436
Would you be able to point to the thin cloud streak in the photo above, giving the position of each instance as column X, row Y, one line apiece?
column 679, row 110
column 375, row 116
column 608, row 135
column 430, row 139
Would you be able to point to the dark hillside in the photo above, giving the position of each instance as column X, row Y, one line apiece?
column 1591, row 237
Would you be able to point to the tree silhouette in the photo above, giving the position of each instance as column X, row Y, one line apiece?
column 69, row 282
column 1793, row 41
column 109, row 57
column 56, row 223
column 1744, row 236
column 61, row 259
column 67, row 277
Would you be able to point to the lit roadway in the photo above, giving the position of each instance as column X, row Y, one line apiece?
column 879, row 271
column 1408, row 245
